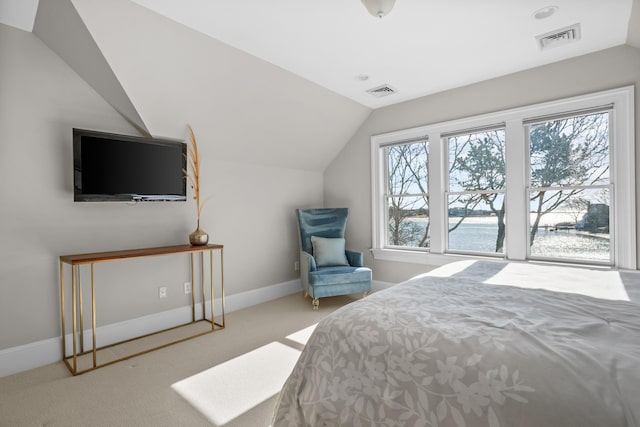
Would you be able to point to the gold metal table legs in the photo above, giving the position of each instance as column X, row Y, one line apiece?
column 77, row 300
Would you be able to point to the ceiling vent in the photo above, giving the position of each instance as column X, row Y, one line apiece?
column 559, row 37
column 381, row 91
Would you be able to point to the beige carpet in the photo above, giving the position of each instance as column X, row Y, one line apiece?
column 227, row 378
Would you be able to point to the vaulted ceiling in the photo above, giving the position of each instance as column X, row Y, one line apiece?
column 283, row 83
column 421, row 47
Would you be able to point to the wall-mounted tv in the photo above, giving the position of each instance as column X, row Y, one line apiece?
column 109, row 167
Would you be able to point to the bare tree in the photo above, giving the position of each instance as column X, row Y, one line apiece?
column 567, row 152
column 564, row 153
column 576, row 207
column 477, row 163
column 408, row 197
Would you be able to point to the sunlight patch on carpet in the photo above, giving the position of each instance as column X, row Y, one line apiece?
column 302, row 336
column 230, row 389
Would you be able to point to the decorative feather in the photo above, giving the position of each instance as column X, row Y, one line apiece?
column 194, row 170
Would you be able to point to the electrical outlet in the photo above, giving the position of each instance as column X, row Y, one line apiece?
column 187, row 287
column 162, row 292
column 296, row 265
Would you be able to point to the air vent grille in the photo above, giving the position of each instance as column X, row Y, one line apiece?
column 381, row 91
column 559, row 37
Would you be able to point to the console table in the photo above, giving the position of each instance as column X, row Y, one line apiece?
column 77, row 312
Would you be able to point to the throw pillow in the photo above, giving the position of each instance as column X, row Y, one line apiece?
column 328, row 251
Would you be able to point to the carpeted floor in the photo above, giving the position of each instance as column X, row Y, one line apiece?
column 228, row 378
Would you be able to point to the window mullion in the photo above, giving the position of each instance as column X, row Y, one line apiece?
column 437, row 213
column 569, row 187
column 454, row 193
column 515, row 199
column 405, row 195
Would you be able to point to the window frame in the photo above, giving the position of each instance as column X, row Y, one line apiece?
column 622, row 178
column 608, row 109
column 446, row 140
column 389, row 194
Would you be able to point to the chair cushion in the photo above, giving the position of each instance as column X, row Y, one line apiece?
column 328, row 252
column 325, row 276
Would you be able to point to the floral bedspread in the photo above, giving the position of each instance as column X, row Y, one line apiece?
column 454, row 351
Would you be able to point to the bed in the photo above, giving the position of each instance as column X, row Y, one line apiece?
column 476, row 344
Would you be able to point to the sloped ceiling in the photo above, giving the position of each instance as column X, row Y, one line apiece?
column 633, row 37
column 60, row 27
column 162, row 76
column 422, row 47
column 18, row 13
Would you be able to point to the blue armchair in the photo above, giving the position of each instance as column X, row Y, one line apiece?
column 326, row 267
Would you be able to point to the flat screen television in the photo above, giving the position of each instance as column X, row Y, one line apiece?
column 109, row 167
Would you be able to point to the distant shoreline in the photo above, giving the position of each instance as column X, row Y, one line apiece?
column 550, row 219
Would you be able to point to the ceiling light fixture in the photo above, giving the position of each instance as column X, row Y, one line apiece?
column 379, row 8
column 545, row 12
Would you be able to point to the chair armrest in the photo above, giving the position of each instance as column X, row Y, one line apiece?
column 356, row 259
column 307, row 262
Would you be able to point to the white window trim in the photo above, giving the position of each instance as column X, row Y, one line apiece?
column 622, row 177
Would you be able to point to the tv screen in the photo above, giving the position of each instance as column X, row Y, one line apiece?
column 110, row 167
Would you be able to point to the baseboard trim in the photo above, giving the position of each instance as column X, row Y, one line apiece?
column 33, row 355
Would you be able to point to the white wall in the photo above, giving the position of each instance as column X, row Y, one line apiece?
column 602, row 70
column 251, row 210
column 250, row 110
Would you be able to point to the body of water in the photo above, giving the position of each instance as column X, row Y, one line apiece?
column 479, row 235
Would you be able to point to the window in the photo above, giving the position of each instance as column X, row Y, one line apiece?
column 569, row 190
column 552, row 181
column 407, row 199
column 475, row 200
